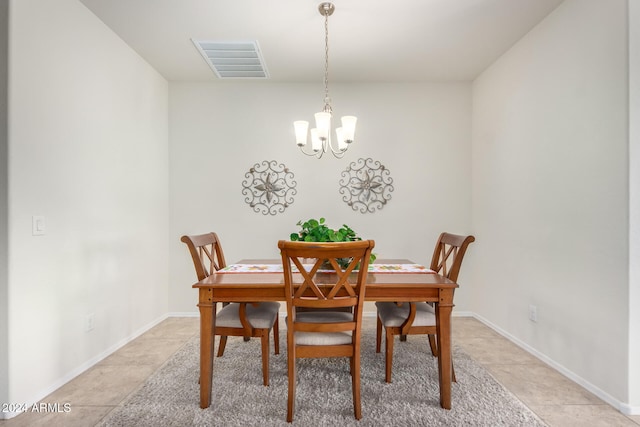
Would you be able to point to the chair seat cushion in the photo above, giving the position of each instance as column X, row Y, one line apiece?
column 323, row 338
column 392, row 315
column 262, row 316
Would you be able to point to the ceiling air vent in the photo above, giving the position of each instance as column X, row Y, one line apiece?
column 233, row 60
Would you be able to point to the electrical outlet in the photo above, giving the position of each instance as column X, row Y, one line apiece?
column 533, row 313
column 89, row 322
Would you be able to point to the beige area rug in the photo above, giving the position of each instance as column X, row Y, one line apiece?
column 171, row 396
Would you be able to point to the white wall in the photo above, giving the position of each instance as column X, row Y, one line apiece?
column 550, row 192
column 88, row 150
column 634, row 204
column 420, row 132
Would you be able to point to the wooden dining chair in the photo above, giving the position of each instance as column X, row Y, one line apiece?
column 330, row 332
column 235, row 319
column 418, row 318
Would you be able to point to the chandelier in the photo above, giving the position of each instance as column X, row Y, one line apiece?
column 321, row 141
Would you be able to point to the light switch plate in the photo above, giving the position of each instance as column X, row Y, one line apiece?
column 38, row 225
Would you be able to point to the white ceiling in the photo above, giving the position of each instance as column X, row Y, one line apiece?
column 369, row 41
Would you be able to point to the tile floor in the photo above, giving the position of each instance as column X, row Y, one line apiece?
column 557, row 400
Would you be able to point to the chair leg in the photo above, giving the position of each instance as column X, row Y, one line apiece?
column 453, row 374
column 276, row 336
column 378, row 335
column 432, row 344
column 355, row 385
column 264, row 339
column 291, row 372
column 388, row 352
column 222, row 345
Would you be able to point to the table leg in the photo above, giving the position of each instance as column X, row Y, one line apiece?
column 443, row 327
column 207, row 324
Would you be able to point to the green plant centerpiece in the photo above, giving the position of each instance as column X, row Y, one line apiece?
column 315, row 230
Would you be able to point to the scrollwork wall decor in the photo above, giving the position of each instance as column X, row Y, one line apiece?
column 366, row 185
column 269, row 187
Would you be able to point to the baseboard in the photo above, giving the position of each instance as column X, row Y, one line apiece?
column 624, row 408
column 629, row 410
column 184, row 314
column 82, row 368
column 462, row 314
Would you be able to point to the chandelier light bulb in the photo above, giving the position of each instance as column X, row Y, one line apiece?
column 316, row 142
column 301, row 127
column 323, row 124
column 342, row 144
column 349, row 128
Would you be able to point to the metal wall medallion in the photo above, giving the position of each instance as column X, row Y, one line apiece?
column 269, row 187
column 366, row 185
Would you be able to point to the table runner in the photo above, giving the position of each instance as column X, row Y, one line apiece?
column 373, row 268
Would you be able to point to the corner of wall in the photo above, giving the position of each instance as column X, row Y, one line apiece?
column 4, row 252
column 634, row 208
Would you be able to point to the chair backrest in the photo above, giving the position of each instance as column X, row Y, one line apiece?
column 448, row 254
column 327, row 291
column 206, row 252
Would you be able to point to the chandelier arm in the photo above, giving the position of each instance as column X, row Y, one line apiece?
column 338, row 151
column 326, row 147
column 317, row 154
column 339, row 154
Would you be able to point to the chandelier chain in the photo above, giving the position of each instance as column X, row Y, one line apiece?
column 327, row 99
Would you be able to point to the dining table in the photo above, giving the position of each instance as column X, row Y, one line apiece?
column 387, row 280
